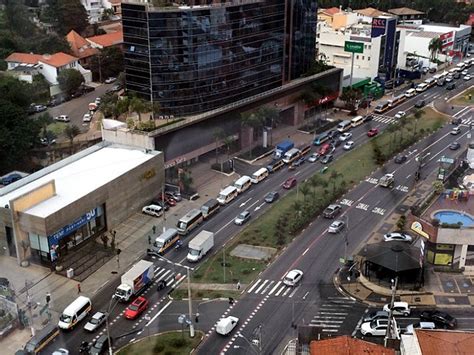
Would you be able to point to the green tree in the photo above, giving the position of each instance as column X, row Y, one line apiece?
column 66, row 15
column 109, row 62
column 435, row 46
column 71, row 132
column 252, row 120
column 18, row 18
column 16, row 91
column 317, row 66
column 351, row 96
column 139, row 106
column 305, row 190
column 69, row 80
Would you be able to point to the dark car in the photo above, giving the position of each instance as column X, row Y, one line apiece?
column 100, row 346
column 86, row 88
column 432, row 70
column 369, row 317
column 368, row 118
column 450, row 86
column 456, row 120
column 400, row 159
column 336, row 142
column 332, row 211
column 161, row 285
column 454, row 146
column 441, row 319
column 161, row 203
column 332, row 134
column 299, row 161
column 9, row 179
column 271, row 197
column 420, row 103
column 327, row 159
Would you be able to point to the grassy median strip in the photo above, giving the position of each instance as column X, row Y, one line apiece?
column 466, row 98
column 285, row 219
column 176, row 343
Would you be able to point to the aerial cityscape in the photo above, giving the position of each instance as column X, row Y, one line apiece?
column 236, row 177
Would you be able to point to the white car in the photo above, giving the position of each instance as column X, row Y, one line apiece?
column 467, row 77
column 345, row 136
column 62, row 118
column 153, row 210
column 225, row 325
column 95, row 322
column 336, row 226
column 455, row 131
column 449, row 78
column 397, row 236
column 464, row 72
column 110, row 80
column 377, row 327
column 349, row 145
column 420, row 325
column 242, row 218
column 400, row 114
column 293, row 277
column 61, row 351
column 97, row 101
column 399, row 309
column 87, row 117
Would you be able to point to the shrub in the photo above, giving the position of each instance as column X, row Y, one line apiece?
column 178, row 342
column 158, row 347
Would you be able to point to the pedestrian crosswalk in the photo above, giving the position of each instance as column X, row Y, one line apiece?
column 332, row 314
column 467, row 121
column 272, row 288
column 383, row 119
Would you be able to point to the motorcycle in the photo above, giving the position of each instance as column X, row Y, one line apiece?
column 84, row 348
column 179, row 243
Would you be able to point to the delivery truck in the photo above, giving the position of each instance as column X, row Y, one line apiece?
column 282, row 148
column 135, row 280
column 200, row 245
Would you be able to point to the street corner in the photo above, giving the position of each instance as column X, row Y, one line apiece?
column 348, row 284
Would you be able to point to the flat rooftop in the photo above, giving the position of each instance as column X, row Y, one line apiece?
column 77, row 178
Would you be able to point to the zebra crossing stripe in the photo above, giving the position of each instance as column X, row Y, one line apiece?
column 268, row 286
column 274, row 288
column 327, row 321
column 261, row 286
column 253, row 286
column 330, row 330
column 286, row 292
column 336, row 314
column 279, row 291
column 330, row 317
column 328, row 325
column 160, row 271
column 164, row 275
column 293, row 293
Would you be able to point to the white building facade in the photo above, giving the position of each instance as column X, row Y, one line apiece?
column 95, row 8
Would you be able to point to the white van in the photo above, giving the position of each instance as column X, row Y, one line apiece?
column 259, row 175
column 243, row 184
column 225, row 325
column 421, row 87
column 75, row 312
column 291, row 155
column 227, row 195
column 410, row 93
column 344, row 126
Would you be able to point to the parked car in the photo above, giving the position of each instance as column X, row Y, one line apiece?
column 272, row 197
column 400, row 114
column 100, row 346
column 9, row 179
column 153, row 210
column 400, row 159
column 375, row 315
column 450, row 86
column 332, row 211
column 293, row 277
column 40, row 108
column 174, row 195
column 87, row 88
column 454, row 146
column 313, row 157
column 327, row 159
column 110, row 80
column 289, row 183
column 455, row 131
column 345, row 136
column 441, row 319
column 95, row 322
column 399, row 309
column 336, row 227
column 62, row 118
column 242, row 218
column 419, row 325
column 349, row 145
column 136, row 308
column 377, row 327
column 397, row 237
column 87, row 117
column 161, row 203
column 372, row 132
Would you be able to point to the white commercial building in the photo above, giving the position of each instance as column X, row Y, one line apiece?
column 95, row 8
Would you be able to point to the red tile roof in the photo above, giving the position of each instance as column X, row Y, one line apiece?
column 56, row 60
column 107, row 40
column 346, row 345
column 442, row 342
column 79, row 46
column 331, row 11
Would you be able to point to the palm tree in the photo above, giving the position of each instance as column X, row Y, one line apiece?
column 139, row 106
column 435, row 46
column 269, row 116
column 71, row 132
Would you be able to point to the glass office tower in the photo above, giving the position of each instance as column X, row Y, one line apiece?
column 192, row 59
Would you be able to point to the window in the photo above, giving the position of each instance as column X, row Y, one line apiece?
column 368, row 58
column 363, row 57
column 357, row 56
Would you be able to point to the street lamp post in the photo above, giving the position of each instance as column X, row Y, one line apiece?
column 107, row 326
column 346, row 241
column 388, row 334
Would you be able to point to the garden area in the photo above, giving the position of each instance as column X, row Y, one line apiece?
column 170, row 343
column 466, row 98
column 284, row 220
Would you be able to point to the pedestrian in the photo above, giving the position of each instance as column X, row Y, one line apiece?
column 48, row 298
column 79, row 288
column 149, row 240
column 238, row 285
column 153, row 229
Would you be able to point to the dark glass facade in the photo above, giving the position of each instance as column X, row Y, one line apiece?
column 192, row 60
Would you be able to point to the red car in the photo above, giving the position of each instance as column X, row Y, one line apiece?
column 167, row 199
column 136, row 308
column 372, row 132
column 325, row 148
column 291, row 182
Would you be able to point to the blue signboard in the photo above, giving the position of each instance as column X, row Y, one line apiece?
column 65, row 231
column 378, row 27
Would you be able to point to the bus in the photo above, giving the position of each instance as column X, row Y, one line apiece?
column 396, row 100
column 209, row 208
column 381, row 107
column 430, row 82
column 421, row 87
column 42, row 338
column 165, row 241
column 243, row 184
column 227, row 195
column 190, row 221
column 75, row 312
column 357, row 121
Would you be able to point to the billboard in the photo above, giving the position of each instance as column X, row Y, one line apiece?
column 448, row 41
column 378, row 27
column 353, row 47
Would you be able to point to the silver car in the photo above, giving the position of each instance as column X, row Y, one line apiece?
column 95, row 322
column 336, row 226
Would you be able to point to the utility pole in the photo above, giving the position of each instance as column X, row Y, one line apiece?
column 30, row 313
column 388, row 334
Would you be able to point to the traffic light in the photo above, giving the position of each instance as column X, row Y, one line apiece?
column 118, row 250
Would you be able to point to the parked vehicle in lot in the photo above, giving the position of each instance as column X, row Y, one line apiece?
column 327, row 159
column 419, row 325
column 95, row 322
column 272, row 197
column 136, row 308
column 400, row 159
column 100, row 346
column 397, row 237
column 200, row 245
column 313, row 157
column 135, row 280
column 454, row 146
column 332, row 211
column 399, row 309
column 349, row 145
column 455, row 131
column 62, row 118
column 336, row 227
column 372, row 132
column 375, row 315
column 377, row 327
column 153, row 210
column 441, row 319
column 289, row 183
column 242, row 218
column 293, row 277
column 225, row 325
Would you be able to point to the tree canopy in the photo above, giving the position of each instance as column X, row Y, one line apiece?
column 66, row 15
column 110, row 63
column 69, row 80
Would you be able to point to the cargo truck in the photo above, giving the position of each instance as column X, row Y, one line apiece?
column 200, row 245
column 135, row 280
column 282, row 148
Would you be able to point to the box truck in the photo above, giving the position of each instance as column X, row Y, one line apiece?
column 135, row 280
column 200, row 245
column 282, row 148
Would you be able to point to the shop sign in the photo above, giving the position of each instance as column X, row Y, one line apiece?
column 353, row 47
column 378, row 27
column 324, row 99
column 171, row 163
column 418, row 228
column 65, row 231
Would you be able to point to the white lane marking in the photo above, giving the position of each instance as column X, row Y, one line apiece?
column 259, row 206
column 330, row 330
column 328, row 325
column 293, row 293
column 286, row 292
column 244, row 203
column 297, row 173
column 156, row 315
column 224, row 226
column 327, row 321
column 306, row 294
column 330, row 317
column 306, row 251
column 253, row 286
column 279, row 291
column 261, row 286
column 274, row 288
column 336, row 314
column 253, row 204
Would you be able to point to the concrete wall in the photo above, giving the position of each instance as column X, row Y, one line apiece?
column 128, row 137
column 456, row 236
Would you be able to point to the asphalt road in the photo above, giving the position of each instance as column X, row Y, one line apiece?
column 314, row 252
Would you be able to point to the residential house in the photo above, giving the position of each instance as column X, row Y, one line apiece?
column 95, row 8
column 406, row 15
column 366, row 15
column 437, row 342
column 107, row 40
column 327, row 15
column 346, row 345
column 81, row 48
